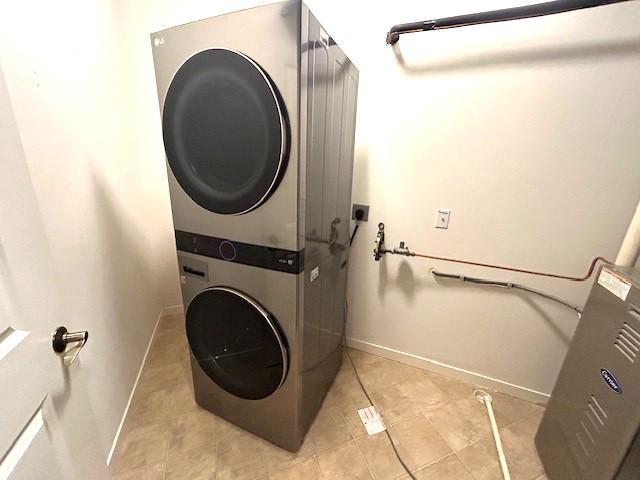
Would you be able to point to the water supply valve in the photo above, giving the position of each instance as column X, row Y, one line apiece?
column 402, row 250
column 379, row 249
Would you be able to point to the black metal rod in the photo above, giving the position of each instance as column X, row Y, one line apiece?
column 503, row 15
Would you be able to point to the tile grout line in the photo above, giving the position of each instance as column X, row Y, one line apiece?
column 391, row 440
column 166, row 451
column 453, row 450
column 433, row 462
column 464, row 465
column 215, row 448
column 366, row 460
column 526, row 417
column 387, row 427
column 317, row 462
column 499, row 429
column 488, row 436
column 171, row 421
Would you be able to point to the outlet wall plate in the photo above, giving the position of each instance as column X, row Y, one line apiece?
column 357, row 206
column 442, row 218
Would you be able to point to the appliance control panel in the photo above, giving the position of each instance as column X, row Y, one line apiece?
column 245, row 253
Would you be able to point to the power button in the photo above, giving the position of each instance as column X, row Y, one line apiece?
column 227, row 250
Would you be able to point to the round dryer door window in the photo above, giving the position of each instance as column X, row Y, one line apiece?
column 237, row 343
column 225, row 131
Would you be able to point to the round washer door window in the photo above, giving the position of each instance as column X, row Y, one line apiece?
column 237, row 343
column 225, row 131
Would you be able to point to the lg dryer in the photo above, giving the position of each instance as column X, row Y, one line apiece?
column 249, row 101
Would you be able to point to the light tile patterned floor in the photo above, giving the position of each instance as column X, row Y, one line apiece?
column 441, row 431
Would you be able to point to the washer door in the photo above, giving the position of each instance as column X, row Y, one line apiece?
column 237, row 343
column 225, row 131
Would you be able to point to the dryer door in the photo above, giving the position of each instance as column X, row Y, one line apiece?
column 237, row 343
column 225, row 131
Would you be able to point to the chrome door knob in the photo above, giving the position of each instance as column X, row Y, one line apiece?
column 62, row 338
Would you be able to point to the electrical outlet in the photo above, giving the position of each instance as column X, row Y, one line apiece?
column 363, row 208
column 442, row 218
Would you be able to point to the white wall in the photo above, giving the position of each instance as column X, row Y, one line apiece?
column 527, row 130
column 105, row 207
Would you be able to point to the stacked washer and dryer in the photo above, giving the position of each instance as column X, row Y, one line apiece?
column 258, row 116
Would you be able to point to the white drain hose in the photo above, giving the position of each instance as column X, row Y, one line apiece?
column 630, row 248
column 485, row 398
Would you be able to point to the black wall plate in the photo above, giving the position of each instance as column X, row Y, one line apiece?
column 364, row 208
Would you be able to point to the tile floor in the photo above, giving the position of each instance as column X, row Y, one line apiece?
column 441, row 431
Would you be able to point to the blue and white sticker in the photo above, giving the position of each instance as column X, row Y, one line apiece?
column 611, row 381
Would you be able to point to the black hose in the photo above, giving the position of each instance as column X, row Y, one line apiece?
column 353, row 235
column 364, row 389
column 386, row 430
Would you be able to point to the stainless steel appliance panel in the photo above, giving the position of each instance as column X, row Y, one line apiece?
column 270, row 36
column 593, row 415
column 275, row 417
column 331, row 93
column 329, row 83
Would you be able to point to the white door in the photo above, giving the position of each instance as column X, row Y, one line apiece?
column 47, row 428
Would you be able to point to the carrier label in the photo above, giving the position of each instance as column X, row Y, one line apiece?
column 611, row 381
column 614, row 283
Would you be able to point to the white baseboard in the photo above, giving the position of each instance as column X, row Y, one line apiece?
column 459, row 373
column 165, row 312
column 173, row 310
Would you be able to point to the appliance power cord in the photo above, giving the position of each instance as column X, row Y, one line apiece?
column 366, row 393
column 353, row 235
